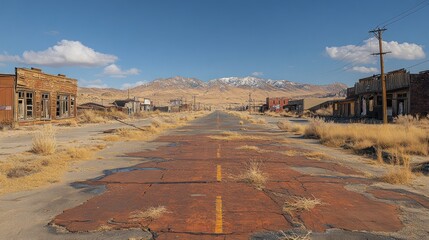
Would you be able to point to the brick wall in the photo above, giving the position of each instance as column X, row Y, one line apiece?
column 419, row 94
column 281, row 101
column 39, row 83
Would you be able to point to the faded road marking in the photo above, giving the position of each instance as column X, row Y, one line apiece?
column 219, row 173
column 218, row 228
column 218, row 151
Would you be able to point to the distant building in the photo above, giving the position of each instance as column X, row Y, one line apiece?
column 406, row 94
column 276, row 104
column 299, row 106
column 146, row 105
column 129, row 106
column 31, row 96
column 97, row 107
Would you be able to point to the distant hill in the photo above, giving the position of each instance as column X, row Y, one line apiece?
column 217, row 92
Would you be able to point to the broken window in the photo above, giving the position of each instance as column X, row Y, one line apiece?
column 45, row 106
column 72, row 105
column 21, row 105
column 62, row 109
column 29, row 105
column 25, row 105
column 371, row 104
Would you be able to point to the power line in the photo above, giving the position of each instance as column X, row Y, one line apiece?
column 417, row 64
column 419, row 6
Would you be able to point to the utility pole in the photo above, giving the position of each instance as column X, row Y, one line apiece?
column 378, row 34
column 195, row 104
column 250, row 100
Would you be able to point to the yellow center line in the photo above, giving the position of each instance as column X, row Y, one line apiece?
column 218, row 227
column 218, row 151
column 219, row 173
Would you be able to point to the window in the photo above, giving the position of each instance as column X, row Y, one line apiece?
column 72, row 105
column 335, row 107
column 25, row 105
column 62, row 109
column 29, row 104
column 45, row 106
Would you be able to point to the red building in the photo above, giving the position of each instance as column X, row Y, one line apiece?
column 276, row 103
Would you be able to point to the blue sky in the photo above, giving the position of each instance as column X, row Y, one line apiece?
column 123, row 43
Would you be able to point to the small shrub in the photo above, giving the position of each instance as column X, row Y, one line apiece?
column 44, row 141
column 20, row 171
column 79, row 152
column 300, row 204
column 254, row 175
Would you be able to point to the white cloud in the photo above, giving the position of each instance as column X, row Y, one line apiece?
column 64, row 53
column 92, row 84
column 363, row 69
column 132, row 85
column 362, row 53
column 257, row 74
column 8, row 58
column 114, row 71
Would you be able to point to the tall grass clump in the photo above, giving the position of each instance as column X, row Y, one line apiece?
column 44, row 141
column 254, row 175
column 295, row 128
column 398, row 174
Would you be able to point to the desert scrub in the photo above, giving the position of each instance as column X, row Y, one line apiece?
column 295, row 128
column 357, row 136
column 44, row 141
column 253, row 175
column 297, row 204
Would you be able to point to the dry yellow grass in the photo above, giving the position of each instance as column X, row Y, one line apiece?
column 89, row 116
column 258, row 121
column 317, row 156
column 81, row 153
column 160, row 123
column 291, row 153
column 241, row 122
column 44, row 141
column 27, row 171
column 295, row 236
column 230, row 136
column 400, row 174
column 253, row 174
column 300, row 204
column 295, row 128
column 150, row 214
column 412, row 139
column 253, row 148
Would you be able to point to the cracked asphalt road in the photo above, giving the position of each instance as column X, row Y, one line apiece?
column 194, row 177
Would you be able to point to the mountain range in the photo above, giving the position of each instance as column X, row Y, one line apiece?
column 216, row 92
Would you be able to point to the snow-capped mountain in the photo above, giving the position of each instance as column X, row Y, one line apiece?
column 217, row 91
column 176, row 82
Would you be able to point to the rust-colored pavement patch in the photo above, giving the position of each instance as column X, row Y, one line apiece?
column 194, row 179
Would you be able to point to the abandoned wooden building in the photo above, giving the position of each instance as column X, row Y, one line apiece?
column 406, row 94
column 300, row 106
column 129, row 106
column 31, row 96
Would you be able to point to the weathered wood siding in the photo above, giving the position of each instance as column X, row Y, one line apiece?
column 394, row 80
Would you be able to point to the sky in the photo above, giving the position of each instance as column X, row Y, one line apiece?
column 124, row 43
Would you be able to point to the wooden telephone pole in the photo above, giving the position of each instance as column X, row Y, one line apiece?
column 378, row 34
column 250, row 100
